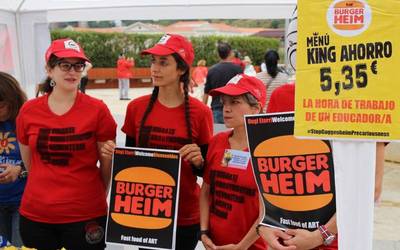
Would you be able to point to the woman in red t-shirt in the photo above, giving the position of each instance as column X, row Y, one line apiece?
column 60, row 133
column 199, row 76
column 170, row 119
column 229, row 199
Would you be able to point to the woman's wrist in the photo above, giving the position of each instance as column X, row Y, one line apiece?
column 317, row 238
column 199, row 165
column 23, row 173
column 203, row 233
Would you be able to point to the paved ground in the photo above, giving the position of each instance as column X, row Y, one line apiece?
column 387, row 214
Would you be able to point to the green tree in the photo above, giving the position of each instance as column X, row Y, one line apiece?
column 103, row 48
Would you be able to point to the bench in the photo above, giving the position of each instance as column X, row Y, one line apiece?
column 107, row 78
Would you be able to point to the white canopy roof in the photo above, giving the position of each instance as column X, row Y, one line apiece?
column 25, row 22
column 67, row 10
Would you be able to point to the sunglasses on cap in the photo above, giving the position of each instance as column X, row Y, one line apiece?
column 66, row 66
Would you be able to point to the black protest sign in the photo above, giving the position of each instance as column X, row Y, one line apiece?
column 144, row 198
column 295, row 177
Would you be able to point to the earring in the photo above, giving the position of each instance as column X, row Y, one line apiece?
column 52, row 83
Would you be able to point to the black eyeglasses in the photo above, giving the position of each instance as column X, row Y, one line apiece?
column 66, row 66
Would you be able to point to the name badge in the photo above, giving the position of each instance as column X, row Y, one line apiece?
column 235, row 159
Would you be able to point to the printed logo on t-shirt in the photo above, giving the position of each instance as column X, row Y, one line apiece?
column 9, row 152
column 226, row 193
column 6, row 142
column 56, row 146
column 164, row 138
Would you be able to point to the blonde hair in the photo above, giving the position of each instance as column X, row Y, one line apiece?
column 201, row 62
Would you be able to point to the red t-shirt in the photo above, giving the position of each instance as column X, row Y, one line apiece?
column 167, row 128
column 124, row 68
column 199, row 75
column 234, row 203
column 239, row 62
column 64, row 183
column 282, row 99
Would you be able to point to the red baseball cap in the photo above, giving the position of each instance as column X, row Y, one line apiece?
column 172, row 43
column 242, row 84
column 65, row 48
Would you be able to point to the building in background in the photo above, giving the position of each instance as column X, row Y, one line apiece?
column 186, row 28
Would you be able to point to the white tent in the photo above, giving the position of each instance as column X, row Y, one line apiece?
column 24, row 32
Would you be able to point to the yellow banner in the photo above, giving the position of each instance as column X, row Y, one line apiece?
column 348, row 69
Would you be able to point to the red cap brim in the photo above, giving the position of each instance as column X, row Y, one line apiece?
column 229, row 89
column 159, row 50
column 70, row 54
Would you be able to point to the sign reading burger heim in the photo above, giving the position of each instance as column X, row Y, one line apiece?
column 144, row 198
column 347, row 69
column 295, row 177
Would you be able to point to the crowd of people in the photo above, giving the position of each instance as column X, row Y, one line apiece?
column 56, row 164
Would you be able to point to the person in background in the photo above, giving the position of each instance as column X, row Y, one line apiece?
column 85, row 79
column 60, row 135
column 272, row 77
column 124, row 74
column 379, row 170
column 249, row 68
column 12, row 170
column 170, row 119
column 236, row 59
column 230, row 224
column 217, row 76
column 199, row 75
column 282, row 99
column 263, row 67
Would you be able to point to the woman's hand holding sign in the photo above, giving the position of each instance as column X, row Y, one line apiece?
column 192, row 154
column 304, row 239
column 107, row 149
column 207, row 242
column 274, row 238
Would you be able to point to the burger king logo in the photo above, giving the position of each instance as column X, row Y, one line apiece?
column 349, row 18
column 295, row 174
column 143, row 198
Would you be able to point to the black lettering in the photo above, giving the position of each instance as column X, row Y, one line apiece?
column 78, row 137
column 236, row 188
column 230, row 197
column 219, row 213
column 223, row 204
column 387, row 49
column 378, row 50
column 67, row 147
column 370, row 51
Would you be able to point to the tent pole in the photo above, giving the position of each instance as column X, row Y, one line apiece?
column 19, row 44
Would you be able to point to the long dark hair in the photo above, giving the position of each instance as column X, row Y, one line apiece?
column 185, row 78
column 12, row 94
column 45, row 87
column 271, row 61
